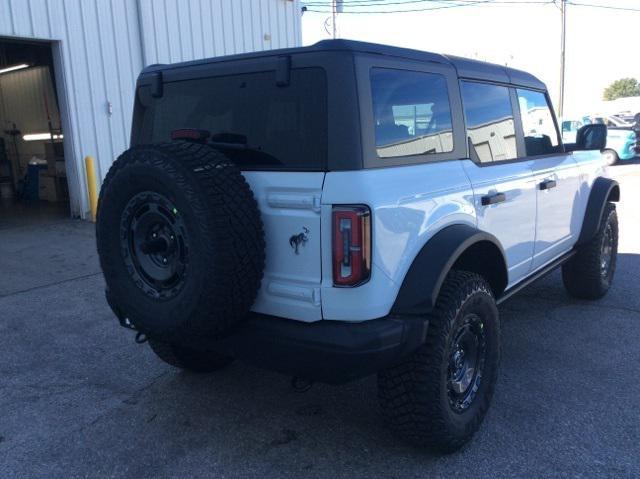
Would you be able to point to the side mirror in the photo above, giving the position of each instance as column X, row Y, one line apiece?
column 591, row 137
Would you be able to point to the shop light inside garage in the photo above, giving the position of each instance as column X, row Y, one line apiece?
column 13, row 68
column 41, row 136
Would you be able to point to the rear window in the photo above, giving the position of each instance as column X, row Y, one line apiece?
column 540, row 134
column 412, row 113
column 257, row 123
column 490, row 123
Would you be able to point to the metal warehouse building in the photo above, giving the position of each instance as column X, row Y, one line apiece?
column 68, row 70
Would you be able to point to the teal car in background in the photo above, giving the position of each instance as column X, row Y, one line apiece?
column 622, row 141
column 622, row 144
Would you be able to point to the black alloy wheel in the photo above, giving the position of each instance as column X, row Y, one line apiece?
column 180, row 241
column 155, row 244
column 589, row 274
column 438, row 396
column 608, row 246
column 466, row 363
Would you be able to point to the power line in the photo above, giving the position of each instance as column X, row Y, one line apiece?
column 608, row 7
column 355, row 3
column 440, row 7
column 447, row 5
column 443, row 4
column 374, row 3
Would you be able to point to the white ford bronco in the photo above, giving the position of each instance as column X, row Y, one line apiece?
column 346, row 209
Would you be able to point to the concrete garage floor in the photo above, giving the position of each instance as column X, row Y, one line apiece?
column 78, row 398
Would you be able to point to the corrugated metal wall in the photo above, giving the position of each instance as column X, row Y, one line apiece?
column 102, row 45
column 99, row 52
column 180, row 30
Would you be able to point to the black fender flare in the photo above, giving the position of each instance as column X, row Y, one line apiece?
column 422, row 283
column 602, row 191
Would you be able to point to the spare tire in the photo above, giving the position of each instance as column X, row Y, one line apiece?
column 180, row 240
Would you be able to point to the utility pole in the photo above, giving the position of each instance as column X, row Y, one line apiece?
column 563, row 37
column 337, row 6
column 334, row 14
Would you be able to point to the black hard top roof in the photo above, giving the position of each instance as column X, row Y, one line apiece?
column 465, row 67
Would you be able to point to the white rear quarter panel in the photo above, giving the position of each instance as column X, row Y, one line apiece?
column 409, row 204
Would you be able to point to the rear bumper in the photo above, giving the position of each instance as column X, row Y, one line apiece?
column 325, row 351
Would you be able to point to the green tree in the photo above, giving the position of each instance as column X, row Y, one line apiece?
column 621, row 88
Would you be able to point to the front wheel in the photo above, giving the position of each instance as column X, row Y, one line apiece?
column 588, row 275
column 439, row 396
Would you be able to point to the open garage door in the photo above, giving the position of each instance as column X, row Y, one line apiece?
column 33, row 179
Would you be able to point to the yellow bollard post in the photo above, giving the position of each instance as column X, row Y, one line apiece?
column 92, row 186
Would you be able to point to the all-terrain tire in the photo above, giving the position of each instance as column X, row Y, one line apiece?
column 210, row 229
column 194, row 360
column 589, row 274
column 415, row 395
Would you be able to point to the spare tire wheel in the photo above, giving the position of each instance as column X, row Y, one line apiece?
column 180, row 240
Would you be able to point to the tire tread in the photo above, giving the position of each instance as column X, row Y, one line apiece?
column 410, row 392
column 225, row 211
column 581, row 274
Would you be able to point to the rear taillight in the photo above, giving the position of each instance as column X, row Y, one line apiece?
column 351, row 245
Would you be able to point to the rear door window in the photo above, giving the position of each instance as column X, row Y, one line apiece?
column 540, row 132
column 490, row 123
column 412, row 113
column 255, row 122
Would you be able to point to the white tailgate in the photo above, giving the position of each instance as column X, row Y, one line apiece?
column 290, row 207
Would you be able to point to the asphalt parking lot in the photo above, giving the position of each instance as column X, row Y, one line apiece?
column 79, row 398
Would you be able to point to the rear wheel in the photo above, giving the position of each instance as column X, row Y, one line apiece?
column 189, row 359
column 588, row 275
column 439, row 396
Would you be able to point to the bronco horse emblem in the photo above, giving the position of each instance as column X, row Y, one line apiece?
column 300, row 239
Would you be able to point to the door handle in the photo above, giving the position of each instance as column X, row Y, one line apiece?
column 493, row 199
column 548, row 184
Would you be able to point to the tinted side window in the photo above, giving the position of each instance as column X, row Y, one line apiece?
column 489, row 119
column 261, row 124
column 412, row 113
column 540, row 134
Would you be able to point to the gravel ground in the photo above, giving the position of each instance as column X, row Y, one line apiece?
column 78, row 398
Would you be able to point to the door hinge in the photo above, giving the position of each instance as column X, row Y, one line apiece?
column 293, row 291
column 295, row 201
column 317, row 206
column 317, row 298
